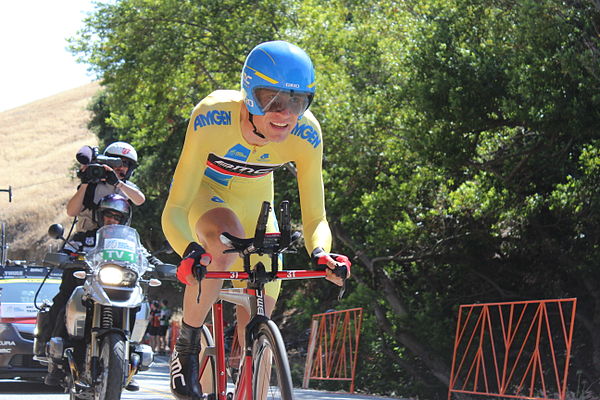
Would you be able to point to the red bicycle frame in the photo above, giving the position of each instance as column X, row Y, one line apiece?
column 243, row 385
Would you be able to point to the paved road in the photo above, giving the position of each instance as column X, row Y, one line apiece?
column 153, row 386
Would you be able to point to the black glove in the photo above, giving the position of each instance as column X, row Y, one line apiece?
column 83, row 176
column 112, row 178
column 190, row 263
column 321, row 258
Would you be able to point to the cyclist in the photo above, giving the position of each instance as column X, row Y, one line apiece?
column 85, row 201
column 234, row 141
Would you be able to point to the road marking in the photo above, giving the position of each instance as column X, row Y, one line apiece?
column 156, row 391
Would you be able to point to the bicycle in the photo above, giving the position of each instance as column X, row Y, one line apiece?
column 264, row 372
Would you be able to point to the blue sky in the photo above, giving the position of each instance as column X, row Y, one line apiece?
column 34, row 62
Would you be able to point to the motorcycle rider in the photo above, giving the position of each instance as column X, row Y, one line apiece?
column 85, row 201
column 112, row 209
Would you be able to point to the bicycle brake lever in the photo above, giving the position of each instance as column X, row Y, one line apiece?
column 199, row 276
column 341, row 271
column 342, row 290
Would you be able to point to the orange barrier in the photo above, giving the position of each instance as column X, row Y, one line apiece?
column 515, row 350
column 333, row 347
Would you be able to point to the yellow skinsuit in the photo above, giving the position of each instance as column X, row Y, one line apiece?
column 218, row 168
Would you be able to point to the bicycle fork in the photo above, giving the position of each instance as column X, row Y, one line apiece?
column 254, row 303
column 243, row 386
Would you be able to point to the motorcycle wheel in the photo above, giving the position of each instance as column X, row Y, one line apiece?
column 112, row 368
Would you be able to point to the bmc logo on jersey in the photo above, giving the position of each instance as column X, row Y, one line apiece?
column 215, row 117
column 307, row 133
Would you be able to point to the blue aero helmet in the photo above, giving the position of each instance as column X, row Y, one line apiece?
column 277, row 65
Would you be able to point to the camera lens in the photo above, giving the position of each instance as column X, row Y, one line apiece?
column 95, row 173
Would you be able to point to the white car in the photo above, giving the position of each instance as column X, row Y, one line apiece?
column 18, row 287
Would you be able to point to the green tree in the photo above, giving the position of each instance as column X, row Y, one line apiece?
column 457, row 123
column 461, row 142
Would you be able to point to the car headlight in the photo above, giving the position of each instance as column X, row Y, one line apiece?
column 115, row 275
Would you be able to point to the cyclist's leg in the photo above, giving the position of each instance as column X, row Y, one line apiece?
column 208, row 229
column 211, row 214
column 209, row 219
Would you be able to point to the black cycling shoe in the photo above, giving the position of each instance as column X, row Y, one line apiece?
column 185, row 367
column 132, row 386
column 54, row 376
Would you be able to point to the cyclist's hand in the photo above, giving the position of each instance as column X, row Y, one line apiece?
column 336, row 266
column 193, row 264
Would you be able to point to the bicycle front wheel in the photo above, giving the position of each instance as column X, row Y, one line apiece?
column 208, row 364
column 271, row 378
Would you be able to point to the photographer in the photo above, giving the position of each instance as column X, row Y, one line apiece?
column 99, row 179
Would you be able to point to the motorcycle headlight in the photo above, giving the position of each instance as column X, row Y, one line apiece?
column 115, row 275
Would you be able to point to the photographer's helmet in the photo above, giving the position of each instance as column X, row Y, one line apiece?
column 123, row 150
column 279, row 66
column 115, row 204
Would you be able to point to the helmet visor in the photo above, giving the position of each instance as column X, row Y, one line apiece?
column 270, row 100
column 114, row 215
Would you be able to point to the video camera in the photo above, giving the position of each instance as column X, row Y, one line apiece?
column 95, row 162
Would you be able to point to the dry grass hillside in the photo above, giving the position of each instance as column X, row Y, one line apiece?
column 38, row 142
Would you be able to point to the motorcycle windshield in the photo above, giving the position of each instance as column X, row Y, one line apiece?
column 118, row 244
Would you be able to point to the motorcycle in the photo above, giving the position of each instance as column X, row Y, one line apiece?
column 107, row 316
